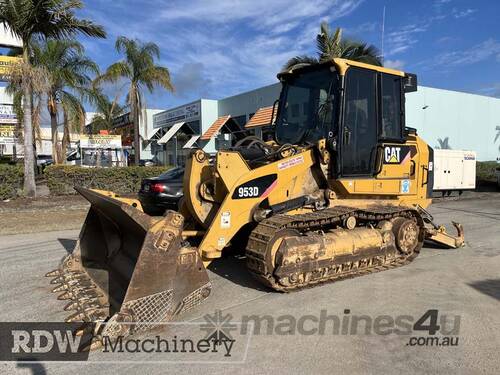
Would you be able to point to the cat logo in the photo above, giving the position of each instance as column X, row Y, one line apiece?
column 398, row 154
column 392, row 155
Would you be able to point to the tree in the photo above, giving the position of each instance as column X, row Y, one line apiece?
column 40, row 19
column 331, row 45
column 106, row 110
column 67, row 68
column 14, row 88
column 140, row 71
column 443, row 144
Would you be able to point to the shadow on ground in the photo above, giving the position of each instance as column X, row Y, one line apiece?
column 490, row 287
column 36, row 368
column 234, row 269
column 68, row 244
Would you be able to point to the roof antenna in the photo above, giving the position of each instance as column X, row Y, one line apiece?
column 383, row 30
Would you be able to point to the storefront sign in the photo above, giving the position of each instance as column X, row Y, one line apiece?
column 7, row 114
column 7, row 134
column 187, row 113
column 6, row 62
column 100, row 141
column 122, row 120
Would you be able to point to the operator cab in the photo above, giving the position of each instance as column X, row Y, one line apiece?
column 308, row 105
column 355, row 112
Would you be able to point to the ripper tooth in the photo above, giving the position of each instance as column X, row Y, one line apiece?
column 75, row 317
column 60, row 288
column 53, row 273
column 57, row 280
column 71, row 306
column 65, row 296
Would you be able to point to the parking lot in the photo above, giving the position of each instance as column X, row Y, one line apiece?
column 463, row 283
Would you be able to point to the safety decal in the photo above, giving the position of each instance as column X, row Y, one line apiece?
column 405, row 186
column 292, row 162
column 225, row 220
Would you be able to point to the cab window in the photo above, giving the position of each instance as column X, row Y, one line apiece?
column 391, row 124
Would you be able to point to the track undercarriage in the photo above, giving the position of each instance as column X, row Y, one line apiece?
column 289, row 252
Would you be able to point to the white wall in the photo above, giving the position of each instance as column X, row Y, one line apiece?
column 249, row 102
column 468, row 121
column 209, row 113
column 7, row 39
column 146, row 130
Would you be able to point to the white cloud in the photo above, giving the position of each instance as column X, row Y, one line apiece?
column 450, row 60
column 477, row 53
column 361, row 30
column 402, row 39
column 228, row 46
column 394, row 64
column 262, row 13
column 463, row 13
column 191, row 78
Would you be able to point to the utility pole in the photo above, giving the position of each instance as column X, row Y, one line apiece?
column 383, row 31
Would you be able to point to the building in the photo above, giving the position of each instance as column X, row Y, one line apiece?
column 124, row 126
column 444, row 118
column 8, row 122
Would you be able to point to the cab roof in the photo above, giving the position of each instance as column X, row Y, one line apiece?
column 342, row 65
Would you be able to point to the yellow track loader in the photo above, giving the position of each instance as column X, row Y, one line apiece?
column 340, row 191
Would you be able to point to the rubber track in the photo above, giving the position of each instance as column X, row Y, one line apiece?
column 325, row 219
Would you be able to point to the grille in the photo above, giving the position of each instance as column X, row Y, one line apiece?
column 195, row 297
column 150, row 309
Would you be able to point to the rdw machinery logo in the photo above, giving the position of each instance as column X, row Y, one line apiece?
column 45, row 341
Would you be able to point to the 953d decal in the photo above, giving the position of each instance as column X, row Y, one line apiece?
column 259, row 187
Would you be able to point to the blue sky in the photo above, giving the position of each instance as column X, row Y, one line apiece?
column 217, row 48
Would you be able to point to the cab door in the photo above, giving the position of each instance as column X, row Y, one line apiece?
column 359, row 130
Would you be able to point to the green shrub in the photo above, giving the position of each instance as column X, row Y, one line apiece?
column 122, row 180
column 485, row 171
column 11, row 181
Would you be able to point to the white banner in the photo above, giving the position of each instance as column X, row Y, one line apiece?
column 100, row 141
column 7, row 114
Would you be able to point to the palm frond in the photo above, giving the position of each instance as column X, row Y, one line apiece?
column 116, row 71
column 298, row 62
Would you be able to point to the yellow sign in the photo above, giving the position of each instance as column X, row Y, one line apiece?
column 7, row 134
column 6, row 62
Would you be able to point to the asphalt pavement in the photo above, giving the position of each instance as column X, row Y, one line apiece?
column 297, row 332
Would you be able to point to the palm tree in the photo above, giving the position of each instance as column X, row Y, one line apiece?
column 140, row 71
column 444, row 144
column 106, row 110
column 14, row 88
column 330, row 45
column 67, row 68
column 29, row 19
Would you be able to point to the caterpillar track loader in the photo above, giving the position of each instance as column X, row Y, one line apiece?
column 340, row 192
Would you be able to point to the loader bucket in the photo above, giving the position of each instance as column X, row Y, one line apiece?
column 128, row 267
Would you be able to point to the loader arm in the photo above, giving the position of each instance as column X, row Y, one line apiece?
column 284, row 180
